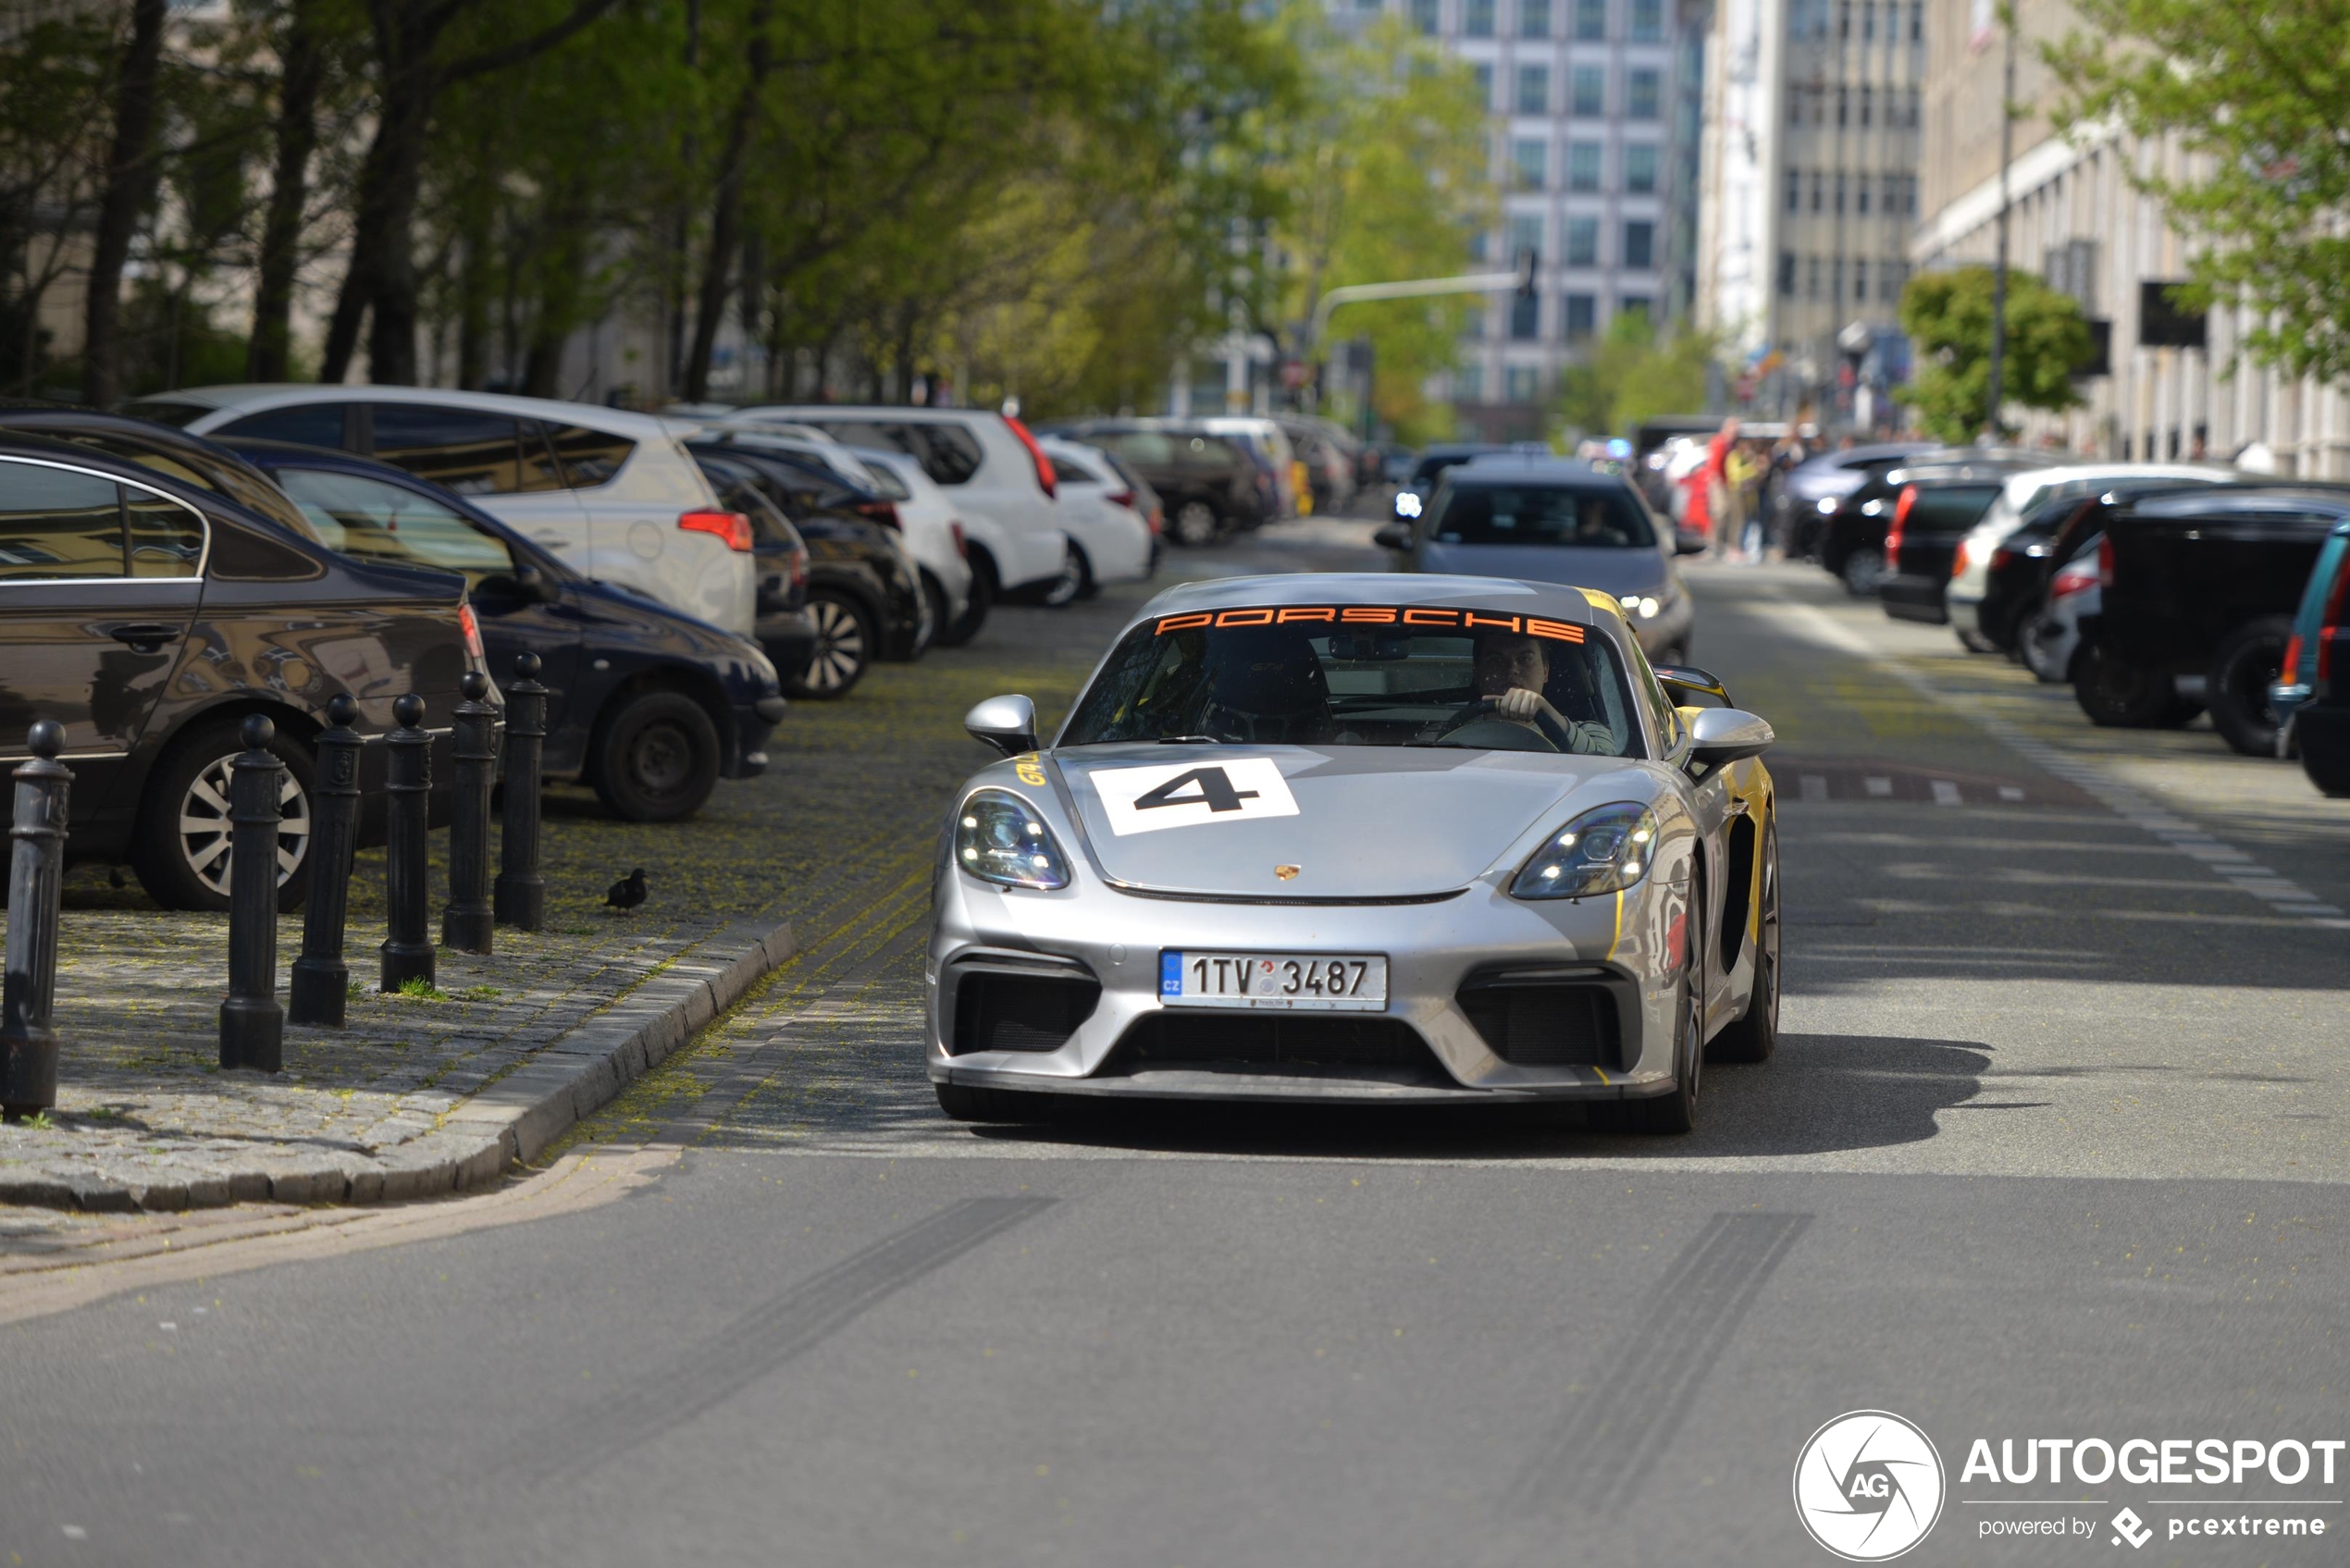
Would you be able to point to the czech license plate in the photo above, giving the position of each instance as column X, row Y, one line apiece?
column 1305, row 982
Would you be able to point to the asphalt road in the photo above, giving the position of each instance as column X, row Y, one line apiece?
column 2052, row 1148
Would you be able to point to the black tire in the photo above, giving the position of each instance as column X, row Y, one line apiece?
column 1065, row 589
column 965, row 1102
column 1676, row 1112
column 2245, row 664
column 1862, row 571
column 185, row 866
column 656, row 758
column 982, row 597
column 2117, row 694
column 1086, row 586
column 1194, row 524
column 1754, row 1034
column 846, row 641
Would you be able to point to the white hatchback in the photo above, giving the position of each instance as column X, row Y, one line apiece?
column 611, row 493
column 989, row 466
column 1111, row 536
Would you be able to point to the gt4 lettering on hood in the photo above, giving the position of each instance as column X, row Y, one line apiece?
column 1182, row 794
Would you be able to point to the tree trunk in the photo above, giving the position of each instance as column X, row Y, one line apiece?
column 126, row 189
column 303, row 63
column 381, row 265
column 726, row 217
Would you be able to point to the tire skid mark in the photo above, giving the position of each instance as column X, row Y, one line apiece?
column 1607, row 1442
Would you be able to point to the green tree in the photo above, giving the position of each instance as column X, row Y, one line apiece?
column 1948, row 316
column 1636, row 372
column 2256, row 96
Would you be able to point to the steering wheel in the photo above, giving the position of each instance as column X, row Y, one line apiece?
column 1485, row 710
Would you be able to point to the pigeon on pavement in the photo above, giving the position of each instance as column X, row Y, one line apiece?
column 628, row 893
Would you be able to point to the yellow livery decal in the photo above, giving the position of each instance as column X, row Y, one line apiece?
column 1029, row 770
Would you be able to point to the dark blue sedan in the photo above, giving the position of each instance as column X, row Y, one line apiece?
column 649, row 707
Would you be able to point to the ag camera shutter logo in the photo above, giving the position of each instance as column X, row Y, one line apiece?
column 1868, row 1485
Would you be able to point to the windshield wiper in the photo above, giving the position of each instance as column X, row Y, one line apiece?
column 1193, row 740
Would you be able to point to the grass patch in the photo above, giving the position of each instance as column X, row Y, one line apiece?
column 479, row 993
column 416, row 988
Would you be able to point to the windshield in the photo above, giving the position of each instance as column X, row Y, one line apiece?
column 1359, row 675
column 1582, row 516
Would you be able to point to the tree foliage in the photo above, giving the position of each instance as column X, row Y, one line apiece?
column 2256, row 96
column 1948, row 316
column 1636, row 372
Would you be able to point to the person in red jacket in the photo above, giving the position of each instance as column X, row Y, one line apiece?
column 1721, row 510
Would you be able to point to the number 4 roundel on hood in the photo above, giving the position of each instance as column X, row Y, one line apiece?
column 1182, row 794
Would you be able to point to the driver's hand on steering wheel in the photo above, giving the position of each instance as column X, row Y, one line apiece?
column 1520, row 704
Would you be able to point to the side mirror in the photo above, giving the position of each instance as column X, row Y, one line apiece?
column 1395, row 535
column 1009, row 723
column 1727, row 735
column 1687, row 544
column 537, row 586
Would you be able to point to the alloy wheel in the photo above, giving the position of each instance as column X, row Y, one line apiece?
column 204, row 826
column 840, row 646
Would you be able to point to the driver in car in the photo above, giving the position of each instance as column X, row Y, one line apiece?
column 1512, row 672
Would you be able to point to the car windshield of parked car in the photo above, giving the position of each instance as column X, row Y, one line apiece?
column 377, row 520
column 1322, row 680
column 1582, row 516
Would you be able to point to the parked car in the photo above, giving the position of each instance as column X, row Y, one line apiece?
column 1264, row 439
column 1812, row 489
column 609, row 492
column 863, row 597
column 150, row 613
column 1852, row 538
column 1000, row 480
column 648, row 707
column 1109, row 533
column 901, row 498
column 1210, row 486
column 1328, row 452
column 2202, row 582
column 2312, row 694
column 1936, row 508
column 2000, row 578
column 1552, row 520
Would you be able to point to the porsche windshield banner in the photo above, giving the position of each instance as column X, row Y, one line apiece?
column 1416, row 617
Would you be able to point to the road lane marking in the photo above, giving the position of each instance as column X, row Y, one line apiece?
column 2132, row 806
column 1882, row 788
column 1946, row 793
column 1814, row 787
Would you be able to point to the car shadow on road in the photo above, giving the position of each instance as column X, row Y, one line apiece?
column 1821, row 1093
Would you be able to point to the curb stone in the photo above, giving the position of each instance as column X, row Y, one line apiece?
column 506, row 1122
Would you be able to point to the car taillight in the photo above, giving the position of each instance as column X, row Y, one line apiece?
column 2105, row 562
column 1046, row 480
column 2290, row 666
column 882, row 512
column 1158, row 520
column 1121, row 498
column 2002, row 557
column 963, row 545
column 1958, row 560
column 2074, row 579
column 2329, row 622
column 471, row 630
column 1900, row 519
column 731, row 526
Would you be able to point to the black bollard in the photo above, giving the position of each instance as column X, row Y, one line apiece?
column 522, row 892
column 253, row 1026
column 321, row 979
column 465, row 922
column 36, row 872
column 407, row 955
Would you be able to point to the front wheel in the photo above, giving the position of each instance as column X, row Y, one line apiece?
column 1196, row 523
column 656, row 759
column 1676, row 1112
column 2246, row 664
column 845, row 644
column 1862, row 571
column 1067, row 588
column 2118, row 693
column 956, row 633
column 182, row 854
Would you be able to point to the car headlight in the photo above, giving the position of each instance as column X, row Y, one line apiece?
column 1641, row 605
column 1000, row 838
column 1827, row 505
column 1606, row 849
column 1406, row 504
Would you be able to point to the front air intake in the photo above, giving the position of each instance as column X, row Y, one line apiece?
column 1003, row 1010
column 1546, row 1023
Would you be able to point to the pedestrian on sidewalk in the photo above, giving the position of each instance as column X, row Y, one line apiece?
column 1722, row 513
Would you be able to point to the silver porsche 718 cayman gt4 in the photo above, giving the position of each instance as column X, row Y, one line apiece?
column 1361, row 837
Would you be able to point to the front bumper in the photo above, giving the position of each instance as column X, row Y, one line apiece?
column 1128, row 1042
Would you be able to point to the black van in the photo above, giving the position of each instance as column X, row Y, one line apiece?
column 148, row 613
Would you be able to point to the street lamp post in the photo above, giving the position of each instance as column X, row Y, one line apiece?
column 1999, row 269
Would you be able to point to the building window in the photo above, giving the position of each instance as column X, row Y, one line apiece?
column 1483, row 71
column 1868, row 95
column 1917, row 21
column 1835, row 280
column 1529, row 166
column 1843, row 105
column 1838, row 209
column 1590, row 20
column 1525, row 382
column 1786, row 275
column 1636, row 304
column 1534, row 90
column 1819, row 187
column 1640, row 244
column 1868, row 21
column 1526, row 234
column 1582, row 316
column 1861, row 194
column 1647, row 21
column 1534, row 19
column 1590, row 91
column 1423, row 16
column 1583, row 166
column 1477, row 18
column 1639, row 167
column 1859, row 278
column 1642, row 91
column 1811, row 278
column 1844, row 18
column 1582, row 241
column 1481, row 245
column 1795, row 106
column 1526, row 318
column 1469, row 384
column 1795, row 189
